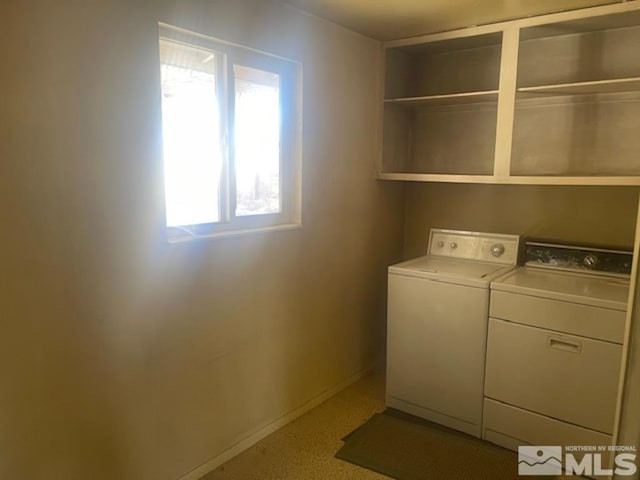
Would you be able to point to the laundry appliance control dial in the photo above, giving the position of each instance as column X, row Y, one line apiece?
column 497, row 249
column 590, row 261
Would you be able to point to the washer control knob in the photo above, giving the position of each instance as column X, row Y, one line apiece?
column 440, row 244
column 497, row 249
column 453, row 245
column 590, row 261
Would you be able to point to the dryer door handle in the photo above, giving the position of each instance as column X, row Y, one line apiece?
column 564, row 344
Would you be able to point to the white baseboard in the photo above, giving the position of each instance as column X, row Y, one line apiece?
column 264, row 431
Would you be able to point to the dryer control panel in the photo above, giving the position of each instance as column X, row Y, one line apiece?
column 578, row 258
column 485, row 247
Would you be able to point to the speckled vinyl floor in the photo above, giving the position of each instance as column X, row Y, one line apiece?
column 304, row 449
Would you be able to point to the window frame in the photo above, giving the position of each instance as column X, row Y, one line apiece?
column 290, row 75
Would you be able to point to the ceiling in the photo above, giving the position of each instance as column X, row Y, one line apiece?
column 390, row 19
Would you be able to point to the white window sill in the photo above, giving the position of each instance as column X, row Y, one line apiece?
column 186, row 238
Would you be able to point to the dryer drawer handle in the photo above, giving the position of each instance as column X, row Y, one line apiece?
column 565, row 345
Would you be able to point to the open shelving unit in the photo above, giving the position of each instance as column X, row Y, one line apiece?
column 544, row 100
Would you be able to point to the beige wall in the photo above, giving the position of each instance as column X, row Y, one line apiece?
column 596, row 215
column 122, row 357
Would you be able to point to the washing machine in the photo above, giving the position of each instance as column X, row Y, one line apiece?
column 555, row 343
column 437, row 318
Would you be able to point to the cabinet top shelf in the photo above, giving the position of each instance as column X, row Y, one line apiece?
column 618, row 85
column 446, row 99
column 511, row 179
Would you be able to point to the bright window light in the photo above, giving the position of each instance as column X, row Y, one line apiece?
column 257, row 141
column 191, row 138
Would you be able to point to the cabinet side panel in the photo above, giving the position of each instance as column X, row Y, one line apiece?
column 398, row 78
column 397, row 126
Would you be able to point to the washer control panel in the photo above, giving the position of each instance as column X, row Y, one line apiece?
column 487, row 247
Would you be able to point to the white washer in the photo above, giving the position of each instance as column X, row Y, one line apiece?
column 555, row 347
column 437, row 326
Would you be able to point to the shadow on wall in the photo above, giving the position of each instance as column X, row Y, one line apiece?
column 70, row 123
column 597, row 215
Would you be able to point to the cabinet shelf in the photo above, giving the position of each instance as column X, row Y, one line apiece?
column 618, row 85
column 446, row 99
column 512, row 179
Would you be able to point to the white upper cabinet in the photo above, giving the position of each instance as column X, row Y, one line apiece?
column 543, row 100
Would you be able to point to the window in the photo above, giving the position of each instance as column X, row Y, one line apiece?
column 230, row 126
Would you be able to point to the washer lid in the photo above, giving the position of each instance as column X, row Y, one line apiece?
column 451, row 270
column 596, row 290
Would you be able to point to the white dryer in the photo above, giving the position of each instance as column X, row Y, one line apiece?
column 555, row 347
column 438, row 309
